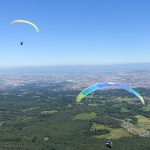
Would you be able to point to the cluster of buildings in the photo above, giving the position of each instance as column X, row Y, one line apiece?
column 76, row 80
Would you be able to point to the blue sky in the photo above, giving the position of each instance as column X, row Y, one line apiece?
column 75, row 32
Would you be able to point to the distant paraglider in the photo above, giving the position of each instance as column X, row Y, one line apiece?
column 102, row 86
column 26, row 22
column 21, row 43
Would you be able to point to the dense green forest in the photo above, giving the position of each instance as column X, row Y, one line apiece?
column 41, row 119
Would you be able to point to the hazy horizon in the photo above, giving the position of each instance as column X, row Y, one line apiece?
column 86, row 64
column 62, row 68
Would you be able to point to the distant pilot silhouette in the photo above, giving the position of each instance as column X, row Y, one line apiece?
column 109, row 144
column 21, row 43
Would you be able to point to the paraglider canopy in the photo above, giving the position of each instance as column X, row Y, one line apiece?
column 26, row 22
column 102, row 86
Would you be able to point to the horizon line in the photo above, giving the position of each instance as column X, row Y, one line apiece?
column 36, row 66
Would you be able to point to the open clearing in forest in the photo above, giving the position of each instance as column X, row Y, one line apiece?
column 124, row 110
column 140, row 128
column 114, row 133
column 146, row 108
column 124, row 99
column 143, row 122
column 93, row 104
column 47, row 112
column 85, row 116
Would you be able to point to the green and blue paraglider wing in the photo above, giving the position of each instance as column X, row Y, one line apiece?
column 102, row 86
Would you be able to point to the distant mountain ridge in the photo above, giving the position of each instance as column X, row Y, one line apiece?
column 64, row 68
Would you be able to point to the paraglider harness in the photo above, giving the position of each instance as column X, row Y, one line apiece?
column 109, row 144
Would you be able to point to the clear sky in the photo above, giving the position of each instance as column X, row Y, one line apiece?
column 75, row 32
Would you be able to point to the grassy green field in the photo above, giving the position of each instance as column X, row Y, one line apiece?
column 133, row 129
column 85, row 116
column 124, row 110
column 46, row 112
column 146, row 108
column 114, row 133
column 143, row 122
column 140, row 128
column 93, row 105
column 124, row 99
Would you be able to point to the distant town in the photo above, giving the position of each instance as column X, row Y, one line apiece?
column 75, row 79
